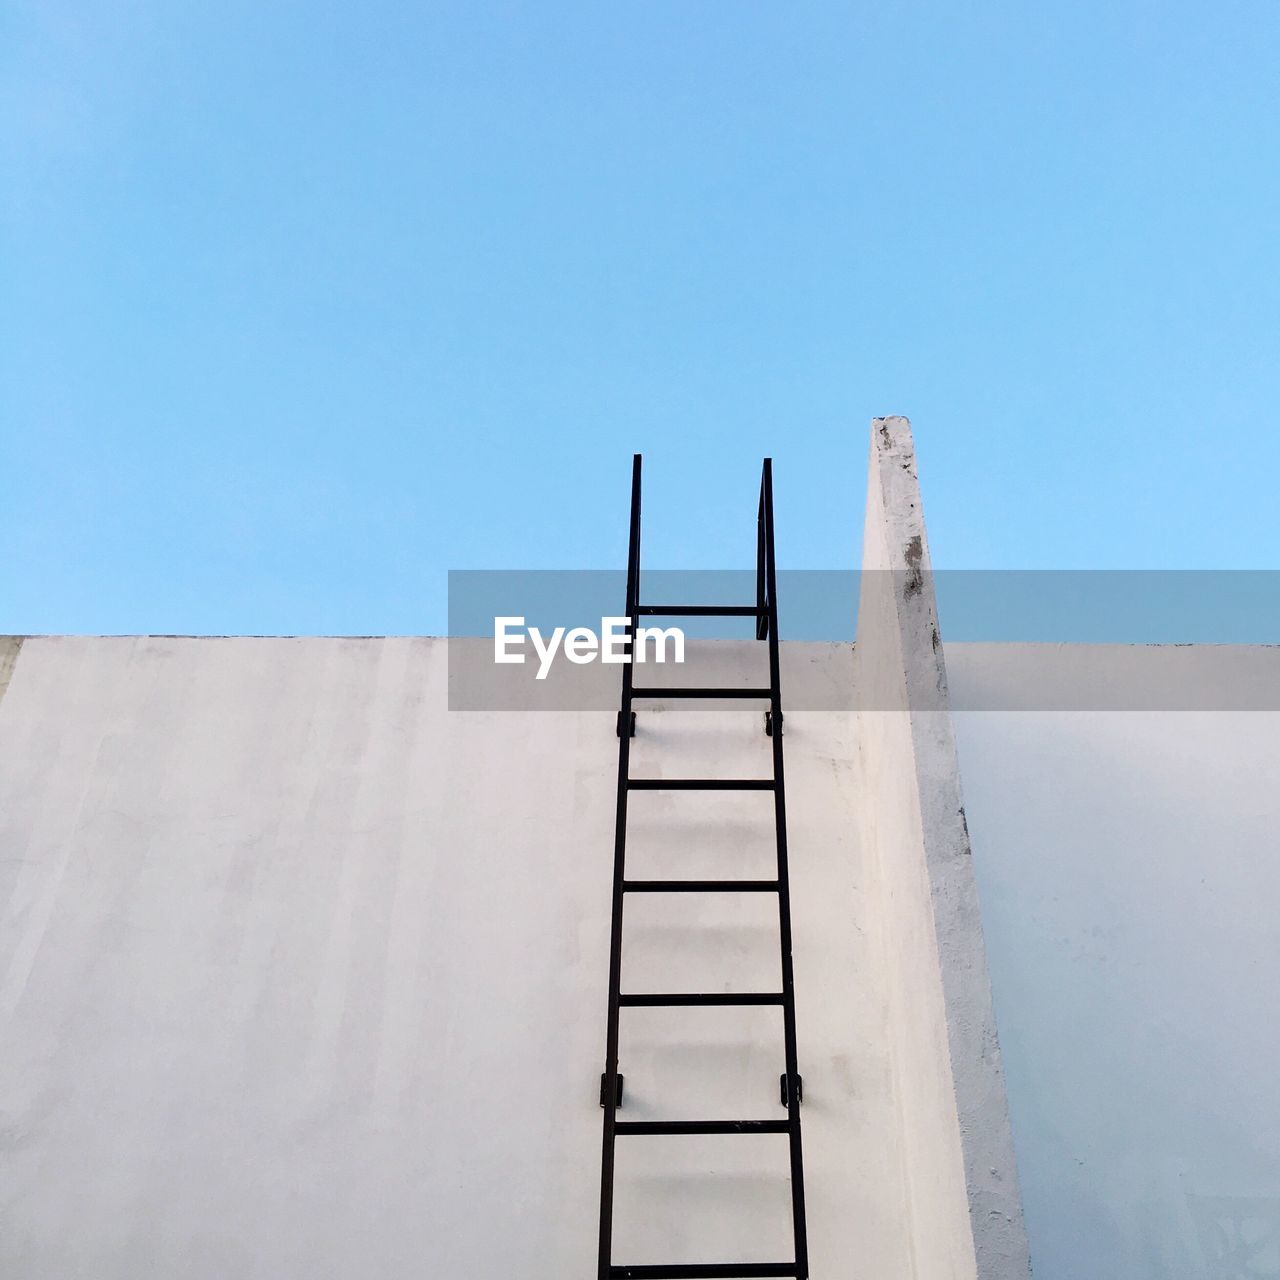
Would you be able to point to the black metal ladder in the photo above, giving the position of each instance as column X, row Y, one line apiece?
column 765, row 612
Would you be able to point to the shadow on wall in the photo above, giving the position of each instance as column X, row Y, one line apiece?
column 1239, row 1235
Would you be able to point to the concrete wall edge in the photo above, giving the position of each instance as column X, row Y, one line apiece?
column 909, row 653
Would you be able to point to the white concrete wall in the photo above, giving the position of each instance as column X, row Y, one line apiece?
column 1130, row 883
column 303, row 976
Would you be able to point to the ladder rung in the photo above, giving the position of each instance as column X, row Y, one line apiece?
column 702, row 1126
column 698, row 1270
column 700, row 610
column 700, row 886
column 714, row 692
column 700, row 784
column 682, row 998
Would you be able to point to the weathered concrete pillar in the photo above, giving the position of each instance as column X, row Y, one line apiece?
column 961, row 1190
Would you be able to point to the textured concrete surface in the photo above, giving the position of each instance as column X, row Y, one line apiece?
column 302, row 975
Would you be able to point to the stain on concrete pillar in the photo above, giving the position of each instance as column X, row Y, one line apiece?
column 9, row 646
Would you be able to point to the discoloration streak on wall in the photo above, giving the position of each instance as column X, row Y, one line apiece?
column 9, row 647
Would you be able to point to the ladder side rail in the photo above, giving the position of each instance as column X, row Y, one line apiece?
column 762, row 615
column 610, row 1093
column 784, row 884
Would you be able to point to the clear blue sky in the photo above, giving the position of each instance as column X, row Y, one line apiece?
column 302, row 305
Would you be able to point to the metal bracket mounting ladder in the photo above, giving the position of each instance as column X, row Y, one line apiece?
column 765, row 612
